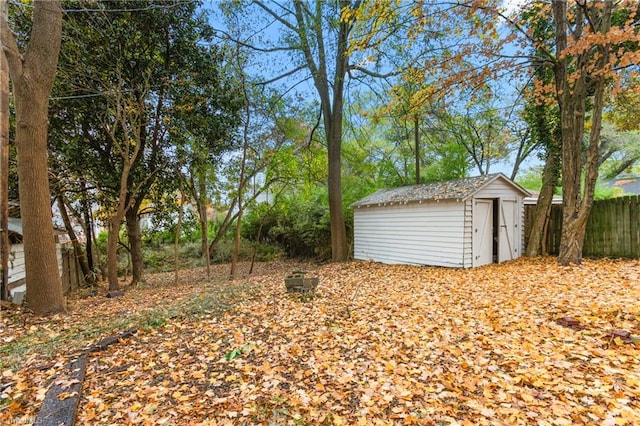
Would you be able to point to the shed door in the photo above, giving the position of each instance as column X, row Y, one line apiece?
column 508, row 237
column 482, row 232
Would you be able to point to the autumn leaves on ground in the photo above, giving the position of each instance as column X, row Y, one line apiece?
column 378, row 344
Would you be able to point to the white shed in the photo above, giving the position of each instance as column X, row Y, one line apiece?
column 460, row 223
column 17, row 284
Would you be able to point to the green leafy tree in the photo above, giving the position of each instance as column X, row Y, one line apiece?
column 133, row 101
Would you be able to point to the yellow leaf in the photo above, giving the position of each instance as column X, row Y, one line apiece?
column 337, row 420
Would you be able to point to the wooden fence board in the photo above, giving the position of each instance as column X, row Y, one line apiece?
column 613, row 228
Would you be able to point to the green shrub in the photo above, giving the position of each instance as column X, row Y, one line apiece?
column 299, row 227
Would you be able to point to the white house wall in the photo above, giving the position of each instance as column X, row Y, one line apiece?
column 428, row 233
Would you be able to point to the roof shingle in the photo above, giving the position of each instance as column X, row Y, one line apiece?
column 459, row 189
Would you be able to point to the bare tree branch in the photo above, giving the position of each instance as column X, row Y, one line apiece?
column 277, row 16
column 281, row 76
column 372, row 73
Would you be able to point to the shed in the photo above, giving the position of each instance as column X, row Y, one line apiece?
column 459, row 223
column 17, row 285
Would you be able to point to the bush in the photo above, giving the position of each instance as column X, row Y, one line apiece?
column 300, row 228
column 161, row 258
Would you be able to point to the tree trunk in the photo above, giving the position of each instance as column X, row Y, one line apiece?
column 33, row 74
column 115, row 223
column 331, row 102
column 135, row 243
column 4, row 170
column 224, row 226
column 536, row 245
column 241, row 181
column 201, row 199
column 77, row 247
column 112, row 252
column 416, row 142
column 88, row 227
column 339, row 251
column 572, row 88
column 176, row 239
column 333, row 124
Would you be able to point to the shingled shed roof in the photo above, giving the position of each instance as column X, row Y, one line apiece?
column 459, row 189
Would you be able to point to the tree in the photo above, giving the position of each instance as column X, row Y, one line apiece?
column 160, row 85
column 316, row 36
column 586, row 55
column 544, row 127
column 32, row 73
column 4, row 167
column 579, row 71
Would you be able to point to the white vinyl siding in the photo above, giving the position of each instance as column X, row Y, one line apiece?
column 468, row 234
column 498, row 188
column 428, row 233
column 17, row 267
column 523, row 247
column 16, row 263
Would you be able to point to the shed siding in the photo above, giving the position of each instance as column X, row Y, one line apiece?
column 16, row 263
column 429, row 233
column 521, row 225
column 17, row 268
column 501, row 189
column 497, row 189
column 468, row 234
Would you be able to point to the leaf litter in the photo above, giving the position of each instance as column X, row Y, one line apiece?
column 377, row 344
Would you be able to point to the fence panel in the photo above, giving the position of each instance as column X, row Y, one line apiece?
column 613, row 228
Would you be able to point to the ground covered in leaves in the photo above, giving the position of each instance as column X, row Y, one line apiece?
column 525, row 342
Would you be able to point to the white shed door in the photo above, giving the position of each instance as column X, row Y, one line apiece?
column 482, row 232
column 508, row 241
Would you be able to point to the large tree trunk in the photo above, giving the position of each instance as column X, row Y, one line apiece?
column 333, row 124
column 4, row 170
column 573, row 87
column 135, row 243
column 112, row 252
column 339, row 250
column 33, row 74
column 331, row 102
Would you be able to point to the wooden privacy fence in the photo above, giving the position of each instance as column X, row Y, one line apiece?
column 613, row 228
column 71, row 273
